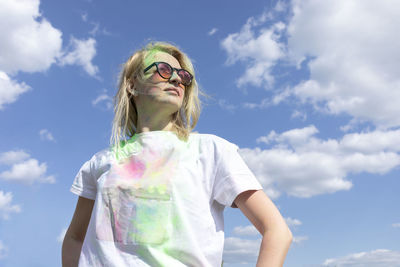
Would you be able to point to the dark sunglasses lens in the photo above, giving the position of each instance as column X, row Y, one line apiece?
column 185, row 76
column 164, row 70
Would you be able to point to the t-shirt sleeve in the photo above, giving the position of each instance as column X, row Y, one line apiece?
column 84, row 183
column 233, row 176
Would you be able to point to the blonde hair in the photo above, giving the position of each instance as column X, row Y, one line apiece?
column 125, row 110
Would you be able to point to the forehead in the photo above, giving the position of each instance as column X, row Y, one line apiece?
column 154, row 56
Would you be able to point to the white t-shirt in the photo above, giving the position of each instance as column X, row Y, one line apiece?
column 160, row 201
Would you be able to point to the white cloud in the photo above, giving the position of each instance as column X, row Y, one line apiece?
column 266, row 102
column 103, row 100
column 280, row 6
column 95, row 30
column 29, row 42
column 299, row 239
column 3, row 250
column 396, row 225
column 226, row 106
column 212, row 31
column 24, row 170
column 292, row 222
column 248, row 230
column 372, row 142
column 354, row 69
column 81, row 53
column 349, row 48
column 28, row 172
column 13, row 156
column 96, row 26
column 6, row 207
column 351, row 125
column 46, row 135
column 295, row 136
column 84, row 16
column 238, row 250
column 299, row 114
column 259, row 52
column 303, row 165
column 10, row 89
column 61, row 236
column 375, row 258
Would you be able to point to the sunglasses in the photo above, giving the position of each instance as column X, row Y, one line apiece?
column 165, row 70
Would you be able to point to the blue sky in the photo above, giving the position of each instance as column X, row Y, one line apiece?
column 309, row 91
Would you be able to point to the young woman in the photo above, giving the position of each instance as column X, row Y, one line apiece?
column 157, row 198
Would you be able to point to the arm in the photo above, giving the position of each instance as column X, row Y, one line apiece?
column 264, row 215
column 73, row 240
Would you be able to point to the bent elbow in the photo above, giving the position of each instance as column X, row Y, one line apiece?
column 287, row 235
column 290, row 237
column 283, row 233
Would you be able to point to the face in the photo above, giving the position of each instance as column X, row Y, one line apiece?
column 158, row 92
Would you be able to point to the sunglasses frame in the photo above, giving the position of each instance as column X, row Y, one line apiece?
column 172, row 68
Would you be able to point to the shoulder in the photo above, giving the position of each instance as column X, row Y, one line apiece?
column 102, row 154
column 101, row 161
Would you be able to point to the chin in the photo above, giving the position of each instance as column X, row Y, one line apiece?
column 173, row 105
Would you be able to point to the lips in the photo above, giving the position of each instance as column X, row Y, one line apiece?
column 174, row 90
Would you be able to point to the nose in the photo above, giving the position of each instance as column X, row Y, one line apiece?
column 175, row 79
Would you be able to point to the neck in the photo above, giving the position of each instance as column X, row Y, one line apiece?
column 153, row 123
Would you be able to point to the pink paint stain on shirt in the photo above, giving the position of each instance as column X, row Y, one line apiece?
column 133, row 169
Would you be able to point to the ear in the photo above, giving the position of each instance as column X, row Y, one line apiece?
column 130, row 84
column 130, row 87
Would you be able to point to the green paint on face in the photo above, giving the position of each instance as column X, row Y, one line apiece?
column 149, row 57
